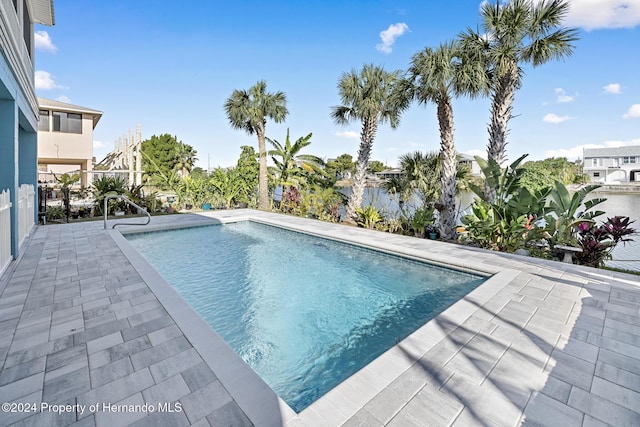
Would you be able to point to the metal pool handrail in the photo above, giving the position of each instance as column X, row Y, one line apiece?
column 126, row 199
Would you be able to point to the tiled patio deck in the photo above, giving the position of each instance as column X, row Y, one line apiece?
column 85, row 322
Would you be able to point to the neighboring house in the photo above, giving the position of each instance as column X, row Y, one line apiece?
column 65, row 139
column 612, row 165
column 469, row 160
column 462, row 159
column 18, row 121
column 390, row 173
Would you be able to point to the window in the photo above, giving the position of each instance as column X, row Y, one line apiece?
column 595, row 162
column 67, row 122
column 596, row 174
column 43, row 124
column 627, row 160
column 27, row 27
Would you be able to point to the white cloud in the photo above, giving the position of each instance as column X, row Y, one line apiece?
column 555, row 119
column 43, row 42
column 633, row 112
column 390, row 35
column 577, row 151
column 612, row 88
column 597, row 14
column 44, row 81
column 349, row 134
column 63, row 98
column 563, row 98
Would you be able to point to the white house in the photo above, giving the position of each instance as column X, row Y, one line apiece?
column 18, row 121
column 612, row 165
column 65, row 139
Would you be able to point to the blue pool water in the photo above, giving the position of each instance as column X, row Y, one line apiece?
column 305, row 313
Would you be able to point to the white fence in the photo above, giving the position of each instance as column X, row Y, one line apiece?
column 5, row 230
column 25, row 211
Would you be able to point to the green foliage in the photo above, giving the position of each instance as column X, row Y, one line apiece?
column 291, row 167
column 343, row 165
column 375, row 166
column 420, row 219
column 247, row 173
column 321, row 203
column 227, row 185
column 164, row 156
column 106, row 186
column 191, row 191
column 65, row 180
column 369, row 217
column 55, row 212
column 543, row 173
column 503, row 214
column 566, row 211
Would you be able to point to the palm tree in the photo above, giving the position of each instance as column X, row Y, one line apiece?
column 290, row 165
column 366, row 96
column 437, row 75
column 520, row 31
column 249, row 110
column 185, row 158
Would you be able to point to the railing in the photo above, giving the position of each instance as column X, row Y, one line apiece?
column 5, row 230
column 26, row 213
column 125, row 199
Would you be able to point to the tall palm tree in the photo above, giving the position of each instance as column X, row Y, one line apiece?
column 367, row 96
column 514, row 33
column 249, row 110
column 437, row 75
column 290, row 165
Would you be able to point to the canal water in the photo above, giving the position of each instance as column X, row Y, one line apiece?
column 625, row 256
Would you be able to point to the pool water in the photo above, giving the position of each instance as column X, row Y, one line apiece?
column 304, row 312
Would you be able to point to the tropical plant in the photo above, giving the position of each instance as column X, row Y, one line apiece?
column 248, row 111
column 437, row 75
column 368, row 97
column 185, row 158
column 597, row 242
column 504, row 219
column 369, row 217
column 420, row 219
column 106, row 186
column 514, row 33
column 246, row 171
column 566, row 211
column 164, row 156
column 191, row 191
column 342, row 167
column 227, row 185
column 543, row 173
column 291, row 168
column 422, row 172
column 66, row 181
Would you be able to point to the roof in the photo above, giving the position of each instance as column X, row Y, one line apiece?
column 45, row 103
column 630, row 150
column 42, row 12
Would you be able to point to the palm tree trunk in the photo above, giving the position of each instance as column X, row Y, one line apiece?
column 501, row 109
column 263, row 179
column 369, row 127
column 449, row 169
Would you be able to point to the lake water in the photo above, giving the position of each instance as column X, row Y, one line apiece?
column 621, row 204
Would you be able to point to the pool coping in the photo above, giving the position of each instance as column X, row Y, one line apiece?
column 259, row 402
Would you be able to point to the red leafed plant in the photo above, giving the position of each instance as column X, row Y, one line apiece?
column 597, row 242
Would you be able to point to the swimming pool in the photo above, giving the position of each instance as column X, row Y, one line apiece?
column 305, row 313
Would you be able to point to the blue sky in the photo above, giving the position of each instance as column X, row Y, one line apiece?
column 170, row 66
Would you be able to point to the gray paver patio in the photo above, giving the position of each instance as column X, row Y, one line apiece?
column 84, row 321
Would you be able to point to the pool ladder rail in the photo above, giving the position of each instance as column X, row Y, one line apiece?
column 128, row 201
